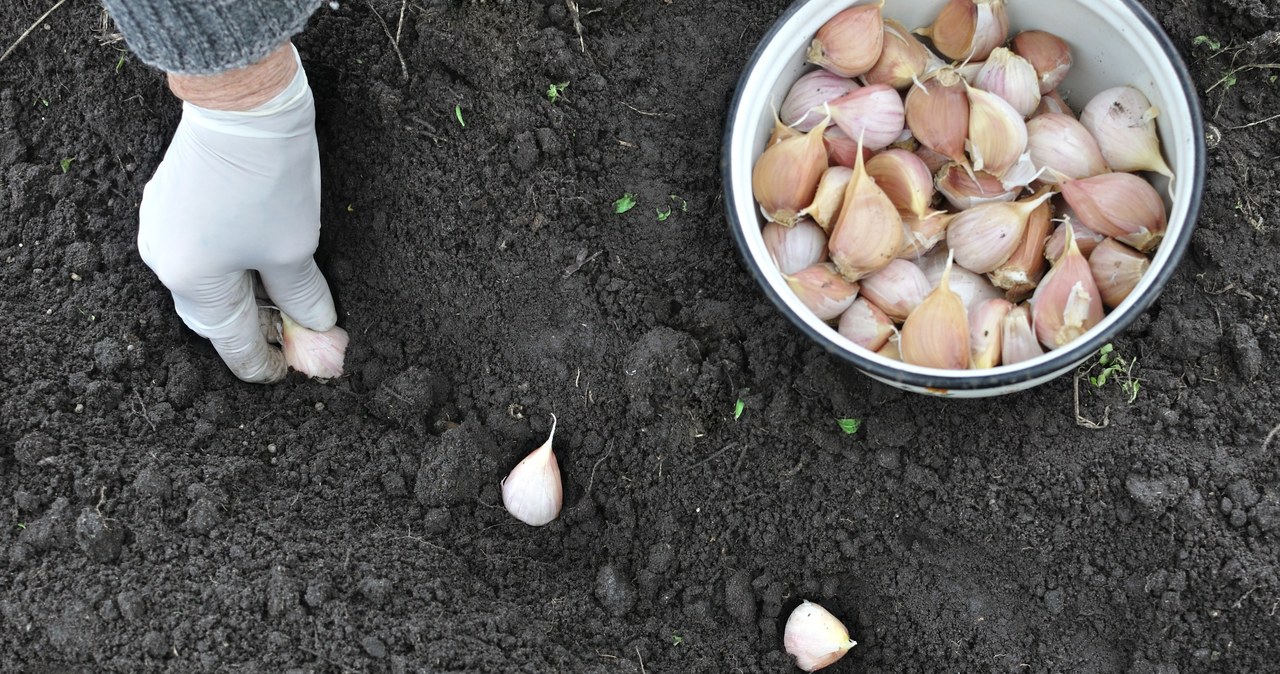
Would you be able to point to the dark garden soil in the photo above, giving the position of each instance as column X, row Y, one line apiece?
column 156, row 514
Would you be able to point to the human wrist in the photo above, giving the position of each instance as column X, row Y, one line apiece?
column 241, row 89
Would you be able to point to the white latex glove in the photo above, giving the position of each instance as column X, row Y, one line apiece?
column 239, row 192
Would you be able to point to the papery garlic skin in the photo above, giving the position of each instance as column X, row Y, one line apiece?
column 1123, row 121
column 1018, row 341
column 986, row 236
column 902, row 59
column 532, row 492
column 968, row 30
column 1063, row 148
column 1086, row 239
column 1067, row 303
column 1122, row 206
column 814, row 637
column 850, row 43
column 864, row 324
column 1117, row 270
column 936, row 334
column 867, row 235
column 964, row 190
column 897, row 289
column 795, row 248
column 937, row 112
column 873, row 114
column 804, row 105
column 986, row 333
column 905, row 179
column 785, row 178
column 823, row 290
column 315, row 354
column 920, row 236
column 1012, row 78
column 829, row 198
column 1048, row 54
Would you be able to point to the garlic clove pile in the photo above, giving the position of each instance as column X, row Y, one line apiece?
column 315, row 354
column 814, row 637
column 532, row 491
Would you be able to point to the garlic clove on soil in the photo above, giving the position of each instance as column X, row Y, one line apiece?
column 1012, row 78
column 315, row 354
column 936, row 334
column 823, row 290
column 905, row 179
column 968, row 30
column 850, row 43
column 1063, row 148
column 795, row 248
column 986, row 333
column 867, row 234
column 804, row 105
column 1048, row 54
column 1067, row 303
column 532, row 491
column 814, row 637
column 786, row 176
column 873, row 114
column 1018, row 341
column 864, row 324
column 1122, row 206
column 1117, row 269
column 1123, row 121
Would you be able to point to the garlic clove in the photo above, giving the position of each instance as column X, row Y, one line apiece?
column 897, row 289
column 532, row 491
column 1067, row 302
column 937, row 112
column 867, row 234
column 1018, row 341
column 865, row 325
column 905, row 179
column 969, row 70
column 874, row 114
column 843, row 150
column 795, row 248
column 997, row 133
column 1122, row 206
column 1054, row 102
column 921, row 235
column 964, row 189
column 968, row 30
column 1117, row 269
column 781, row 132
column 815, row 637
column 934, row 160
column 986, row 333
column 786, row 175
column 902, row 60
column 1063, row 148
column 850, row 43
column 823, row 290
column 1086, row 239
column 890, row 350
column 1012, row 78
column 936, row 334
column 1020, row 274
column 1124, row 123
column 972, row 288
column 829, row 197
column 986, row 236
column 315, row 354
column 805, row 104
column 1048, row 54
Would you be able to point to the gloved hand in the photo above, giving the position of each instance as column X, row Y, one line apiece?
column 239, row 192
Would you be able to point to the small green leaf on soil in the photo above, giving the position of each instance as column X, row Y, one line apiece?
column 65, row 164
column 676, row 639
column 738, row 408
column 849, row 426
column 663, row 214
column 120, row 63
column 554, row 91
column 457, row 112
column 626, row 203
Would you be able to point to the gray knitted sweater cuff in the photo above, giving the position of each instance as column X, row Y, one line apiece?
column 202, row 37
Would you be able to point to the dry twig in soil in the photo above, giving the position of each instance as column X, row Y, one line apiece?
column 27, row 32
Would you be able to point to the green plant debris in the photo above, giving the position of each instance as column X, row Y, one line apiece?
column 554, row 91
column 1213, row 45
column 1116, row 367
column 22, row 525
column 684, row 205
column 624, row 204
column 676, row 639
column 663, row 213
column 849, row 426
column 457, row 112
column 65, row 164
column 738, row 408
column 120, row 63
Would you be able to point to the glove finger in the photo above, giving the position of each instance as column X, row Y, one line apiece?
column 222, row 310
column 301, row 292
